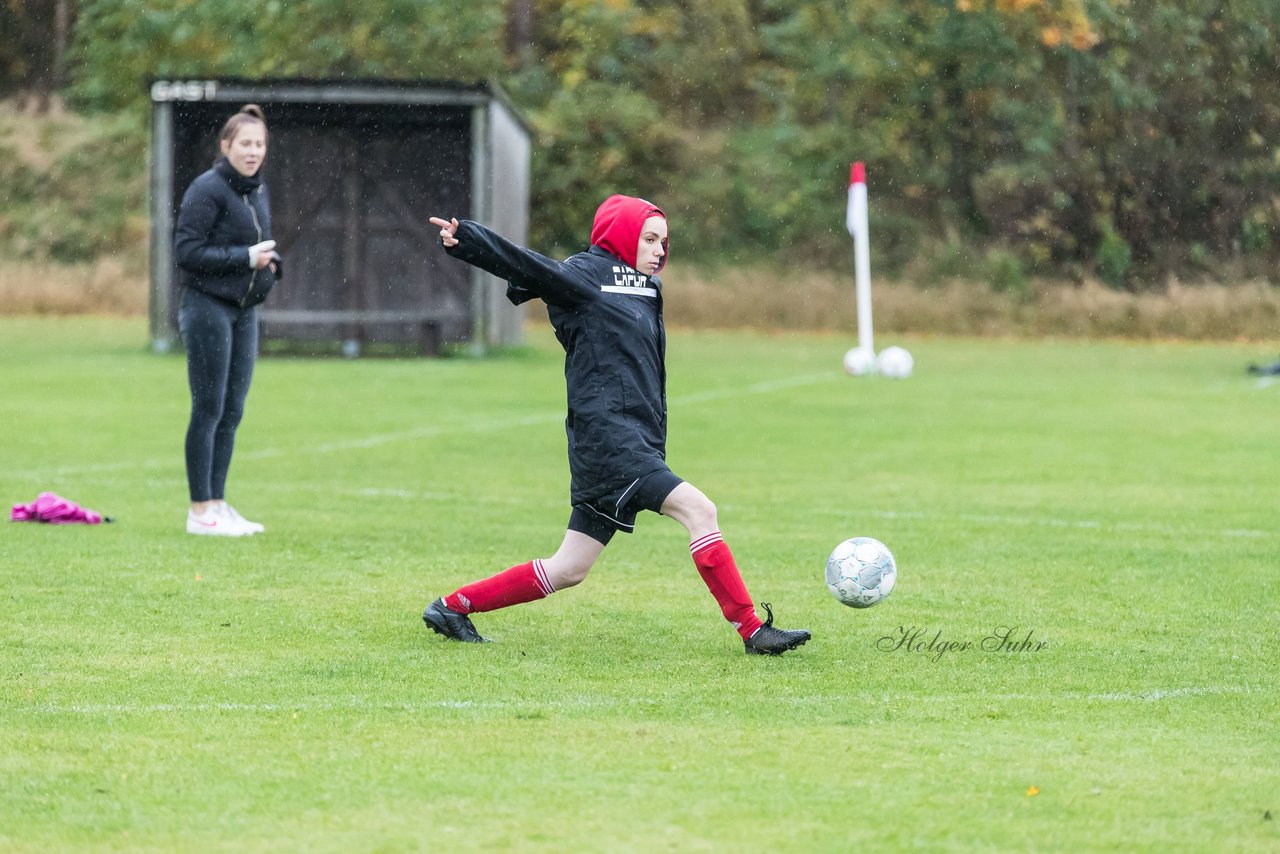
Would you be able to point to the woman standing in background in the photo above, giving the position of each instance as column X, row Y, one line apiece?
column 223, row 246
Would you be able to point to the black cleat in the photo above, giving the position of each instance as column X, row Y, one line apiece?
column 443, row 620
column 770, row 641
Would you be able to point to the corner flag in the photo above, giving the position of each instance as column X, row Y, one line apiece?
column 856, row 221
column 855, row 217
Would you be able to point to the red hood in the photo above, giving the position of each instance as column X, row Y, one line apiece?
column 617, row 226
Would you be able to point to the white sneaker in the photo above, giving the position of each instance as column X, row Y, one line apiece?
column 234, row 514
column 211, row 523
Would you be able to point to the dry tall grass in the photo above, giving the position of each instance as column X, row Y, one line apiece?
column 114, row 285
column 706, row 297
column 798, row 299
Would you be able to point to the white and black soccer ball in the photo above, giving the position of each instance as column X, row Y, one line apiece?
column 861, row 572
column 895, row 362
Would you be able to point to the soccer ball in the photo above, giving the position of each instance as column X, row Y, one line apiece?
column 895, row 362
column 858, row 362
column 861, row 572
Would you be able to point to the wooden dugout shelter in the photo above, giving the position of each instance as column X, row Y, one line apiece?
column 354, row 169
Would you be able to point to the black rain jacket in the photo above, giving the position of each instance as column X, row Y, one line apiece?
column 223, row 213
column 608, row 318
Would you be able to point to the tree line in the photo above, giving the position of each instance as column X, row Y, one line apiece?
column 1121, row 139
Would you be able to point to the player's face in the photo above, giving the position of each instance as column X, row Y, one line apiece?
column 247, row 150
column 653, row 239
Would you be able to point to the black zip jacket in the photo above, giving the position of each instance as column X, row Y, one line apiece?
column 224, row 213
column 608, row 318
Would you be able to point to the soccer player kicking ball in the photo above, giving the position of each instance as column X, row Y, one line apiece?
column 606, row 307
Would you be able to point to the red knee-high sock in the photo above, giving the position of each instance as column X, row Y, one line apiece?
column 522, row 583
column 715, row 565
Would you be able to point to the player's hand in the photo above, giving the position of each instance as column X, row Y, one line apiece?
column 448, row 228
column 260, row 254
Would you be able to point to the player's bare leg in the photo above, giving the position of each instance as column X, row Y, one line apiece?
column 573, row 560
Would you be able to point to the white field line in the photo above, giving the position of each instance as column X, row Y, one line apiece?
column 429, row 432
column 1156, row 695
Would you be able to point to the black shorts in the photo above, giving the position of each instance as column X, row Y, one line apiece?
column 617, row 511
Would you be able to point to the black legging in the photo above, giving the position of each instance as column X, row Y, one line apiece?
column 222, row 344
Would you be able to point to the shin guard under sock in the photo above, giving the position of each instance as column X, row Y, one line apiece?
column 720, row 573
column 522, row 583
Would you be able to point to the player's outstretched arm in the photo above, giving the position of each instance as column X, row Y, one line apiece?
column 530, row 273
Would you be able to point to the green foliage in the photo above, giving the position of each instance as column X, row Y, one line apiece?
column 600, row 139
column 1087, row 136
column 1114, row 258
column 1177, row 149
column 1006, row 273
column 1001, row 124
column 30, row 60
column 119, row 43
column 772, row 189
column 80, row 196
column 694, row 60
column 1000, row 268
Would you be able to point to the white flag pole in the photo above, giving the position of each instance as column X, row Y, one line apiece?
column 856, row 222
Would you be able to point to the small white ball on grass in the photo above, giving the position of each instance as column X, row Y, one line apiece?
column 895, row 362
column 858, row 362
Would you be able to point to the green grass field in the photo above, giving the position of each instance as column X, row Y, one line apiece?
column 1118, row 502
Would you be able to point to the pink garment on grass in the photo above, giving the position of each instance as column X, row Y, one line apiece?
column 54, row 509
